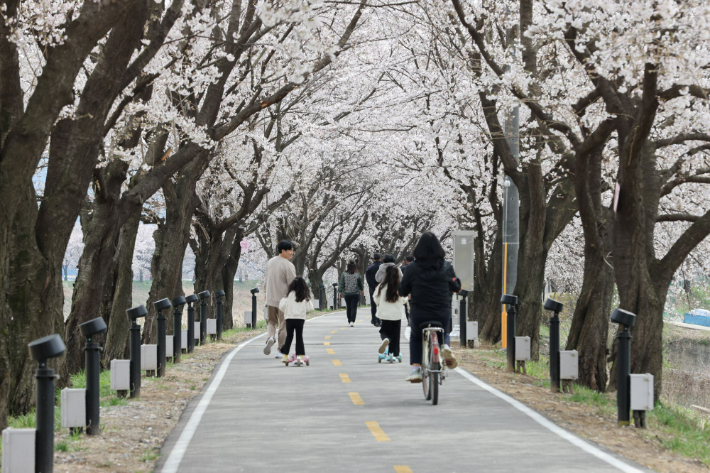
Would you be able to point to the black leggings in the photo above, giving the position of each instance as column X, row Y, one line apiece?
column 351, row 301
column 415, row 338
column 390, row 329
column 294, row 325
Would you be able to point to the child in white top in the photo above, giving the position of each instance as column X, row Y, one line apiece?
column 295, row 306
column 390, row 310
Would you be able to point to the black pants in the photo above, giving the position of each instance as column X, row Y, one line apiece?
column 294, row 325
column 406, row 312
column 415, row 338
column 390, row 329
column 373, row 308
column 351, row 301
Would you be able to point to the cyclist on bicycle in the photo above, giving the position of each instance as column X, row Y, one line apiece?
column 430, row 280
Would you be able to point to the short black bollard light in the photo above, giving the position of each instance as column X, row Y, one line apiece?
column 254, row 292
column 160, row 306
column 178, row 303
column 191, row 322
column 42, row 350
column 463, row 318
column 204, row 295
column 626, row 320
column 92, row 370
column 135, row 367
column 512, row 302
column 322, row 299
column 556, row 308
column 219, row 295
column 335, row 295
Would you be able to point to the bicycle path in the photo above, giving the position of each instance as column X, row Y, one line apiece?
column 348, row 413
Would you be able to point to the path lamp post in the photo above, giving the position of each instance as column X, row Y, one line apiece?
column 254, row 292
column 92, row 370
column 42, row 350
column 160, row 306
column 626, row 320
column 322, row 299
column 220, row 315
column 178, row 303
column 190, row 322
column 556, row 308
column 135, row 367
column 512, row 302
column 335, row 295
column 204, row 295
column 463, row 318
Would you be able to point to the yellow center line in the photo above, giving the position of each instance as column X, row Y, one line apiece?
column 342, row 328
column 357, row 400
column 334, row 331
column 345, row 378
column 402, row 469
column 377, row 432
column 326, row 343
column 330, row 351
column 327, row 337
column 337, row 363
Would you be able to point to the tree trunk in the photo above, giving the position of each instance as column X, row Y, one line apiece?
column 487, row 291
column 95, row 265
column 541, row 223
column 171, row 239
column 590, row 323
column 35, row 302
column 116, row 346
column 229, row 269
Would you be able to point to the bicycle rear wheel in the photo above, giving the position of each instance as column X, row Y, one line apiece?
column 425, row 371
column 434, row 388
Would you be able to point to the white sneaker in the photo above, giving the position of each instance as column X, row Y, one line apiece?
column 449, row 357
column 383, row 346
column 269, row 343
column 352, row 324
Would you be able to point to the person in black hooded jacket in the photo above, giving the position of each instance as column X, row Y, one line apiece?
column 430, row 280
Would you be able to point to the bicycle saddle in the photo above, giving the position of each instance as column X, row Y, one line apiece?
column 431, row 323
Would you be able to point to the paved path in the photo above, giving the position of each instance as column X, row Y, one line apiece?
column 347, row 413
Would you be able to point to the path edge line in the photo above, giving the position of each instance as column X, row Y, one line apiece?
column 551, row 426
column 178, row 452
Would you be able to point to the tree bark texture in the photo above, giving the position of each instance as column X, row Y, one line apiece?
column 590, row 322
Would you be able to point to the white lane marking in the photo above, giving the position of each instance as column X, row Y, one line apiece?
column 552, row 427
column 173, row 462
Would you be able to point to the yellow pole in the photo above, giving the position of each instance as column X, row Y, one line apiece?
column 504, row 315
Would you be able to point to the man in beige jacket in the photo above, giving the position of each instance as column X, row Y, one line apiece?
column 278, row 275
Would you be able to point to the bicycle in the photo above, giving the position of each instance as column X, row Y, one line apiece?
column 433, row 367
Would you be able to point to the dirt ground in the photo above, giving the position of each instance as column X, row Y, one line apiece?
column 132, row 434
column 640, row 445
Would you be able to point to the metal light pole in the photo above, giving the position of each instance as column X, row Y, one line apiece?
column 512, row 302
column 92, row 370
column 556, row 308
column 178, row 303
column 160, row 306
column 42, row 350
column 190, row 322
column 254, row 292
column 204, row 295
column 626, row 320
column 135, row 367
column 220, row 315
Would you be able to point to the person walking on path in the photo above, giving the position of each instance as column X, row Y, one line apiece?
column 390, row 309
column 351, row 287
column 387, row 261
column 430, row 280
column 279, row 273
column 294, row 307
column 370, row 274
column 407, row 260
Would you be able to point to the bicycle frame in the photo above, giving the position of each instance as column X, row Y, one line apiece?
column 430, row 338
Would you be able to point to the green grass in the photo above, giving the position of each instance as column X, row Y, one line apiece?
column 678, row 429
